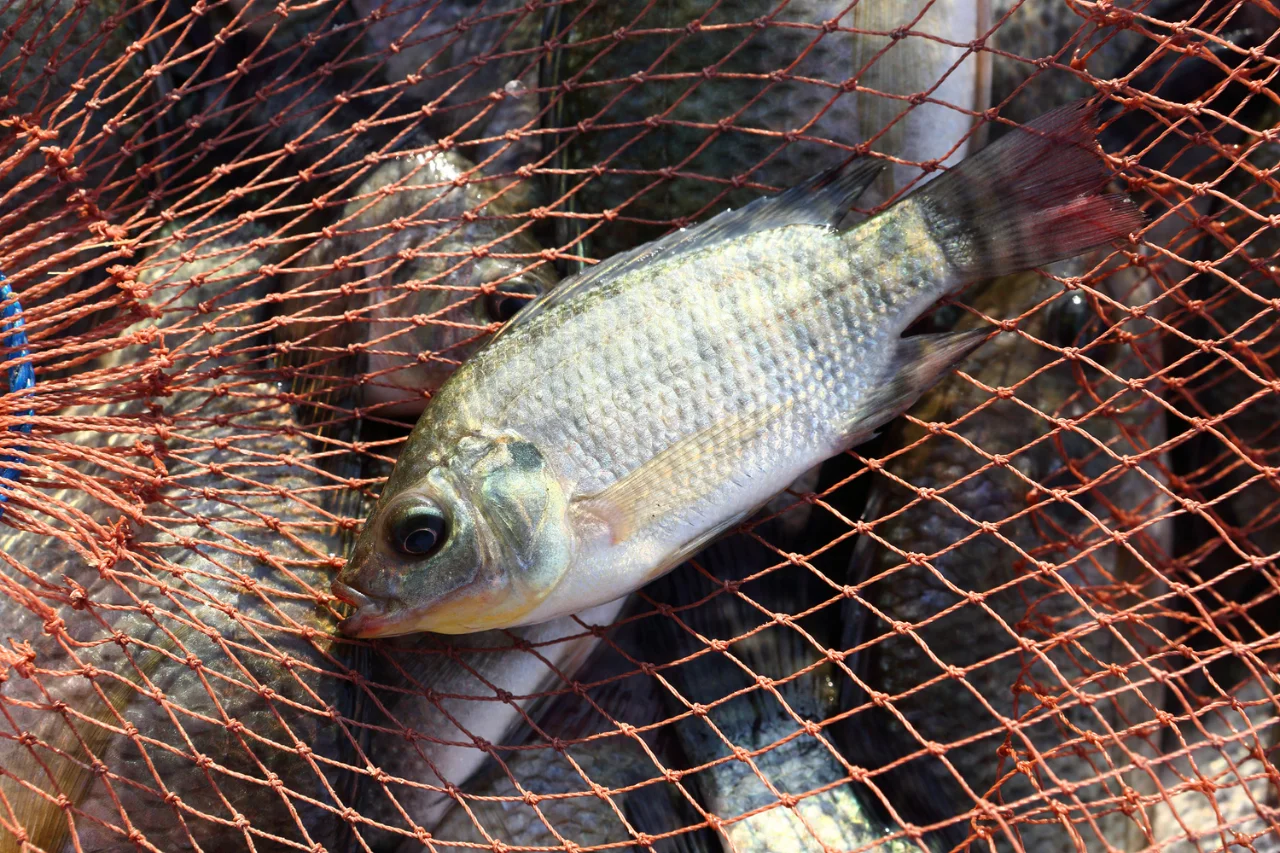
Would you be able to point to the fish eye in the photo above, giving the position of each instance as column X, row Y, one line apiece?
column 419, row 529
column 1071, row 316
column 507, row 300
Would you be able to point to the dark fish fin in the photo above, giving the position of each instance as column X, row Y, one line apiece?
column 658, row 813
column 820, row 201
column 918, row 364
column 873, row 738
column 680, row 473
column 778, row 651
column 1029, row 199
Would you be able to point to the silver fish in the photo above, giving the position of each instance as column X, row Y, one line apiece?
column 422, row 300
column 594, row 751
column 637, row 412
column 769, row 723
column 980, row 639
column 201, row 605
column 490, row 104
column 955, row 79
column 432, row 703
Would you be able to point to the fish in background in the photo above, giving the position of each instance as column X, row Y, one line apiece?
column 1026, row 523
column 475, row 67
column 423, row 301
column 766, row 722
column 956, row 81
column 596, row 752
column 224, row 616
column 603, row 92
column 1232, row 745
column 431, row 702
column 639, row 411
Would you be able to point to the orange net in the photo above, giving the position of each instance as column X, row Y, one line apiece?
column 1040, row 611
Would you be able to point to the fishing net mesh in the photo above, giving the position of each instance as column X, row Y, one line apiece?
column 1039, row 612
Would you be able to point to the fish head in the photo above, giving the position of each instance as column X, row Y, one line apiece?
column 515, row 288
column 476, row 543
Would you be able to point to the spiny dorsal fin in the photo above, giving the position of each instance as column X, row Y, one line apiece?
column 820, row 201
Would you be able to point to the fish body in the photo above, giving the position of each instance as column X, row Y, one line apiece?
column 648, row 405
column 955, row 80
column 766, row 723
column 594, row 751
column 423, row 301
column 961, row 656
column 475, row 66
column 208, row 630
column 433, row 702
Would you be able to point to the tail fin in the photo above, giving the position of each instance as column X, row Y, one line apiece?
column 1029, row 199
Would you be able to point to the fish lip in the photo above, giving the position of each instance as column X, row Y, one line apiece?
column 369, row 616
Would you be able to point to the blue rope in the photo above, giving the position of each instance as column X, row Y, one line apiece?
column 21, row 376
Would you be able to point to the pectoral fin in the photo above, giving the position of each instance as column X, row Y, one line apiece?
column 686, row 472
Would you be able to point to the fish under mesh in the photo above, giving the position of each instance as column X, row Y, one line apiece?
column 247, row 241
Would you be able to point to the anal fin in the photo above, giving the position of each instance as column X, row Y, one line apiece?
column 917, row 365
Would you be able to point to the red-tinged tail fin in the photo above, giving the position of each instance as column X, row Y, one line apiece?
column 1029, row 199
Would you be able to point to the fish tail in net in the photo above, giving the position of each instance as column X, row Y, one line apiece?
column 1029, row 199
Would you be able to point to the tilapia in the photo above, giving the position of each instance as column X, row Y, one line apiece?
column 780, row 724
column 636, row 412
column 474, row 66
column 919, row 49
column 594, row 751
column 423, row 261
column 433, row 706
column 634, row 106
column 1005, row 527
column 170, row 652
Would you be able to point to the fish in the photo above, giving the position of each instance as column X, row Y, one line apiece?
column 937, row 633
column 596, row 442
column 435, row 707
column 191, row 642
column 955, row 79
column 768, row 722
column 1242, row 801
column 411, row 275
column 687, row 107
column 594, row 751
column 433, row 52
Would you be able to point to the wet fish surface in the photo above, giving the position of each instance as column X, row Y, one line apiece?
column 973, row 594
column 398, row 280
column 650, row 404
column 783, row 726
column 199, row 664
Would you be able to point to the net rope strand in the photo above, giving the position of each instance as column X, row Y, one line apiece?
column 203, row 279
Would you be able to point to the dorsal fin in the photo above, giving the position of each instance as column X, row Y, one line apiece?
column 820, row 201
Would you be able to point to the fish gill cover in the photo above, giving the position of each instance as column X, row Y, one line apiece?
column 1040, row 611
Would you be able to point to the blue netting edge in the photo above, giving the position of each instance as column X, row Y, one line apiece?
column 22, row 377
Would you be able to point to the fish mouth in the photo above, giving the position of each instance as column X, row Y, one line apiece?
column 370, row 616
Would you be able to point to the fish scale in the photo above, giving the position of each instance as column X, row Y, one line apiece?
column 540, row 481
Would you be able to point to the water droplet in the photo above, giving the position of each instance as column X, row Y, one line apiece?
column 515, row 88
